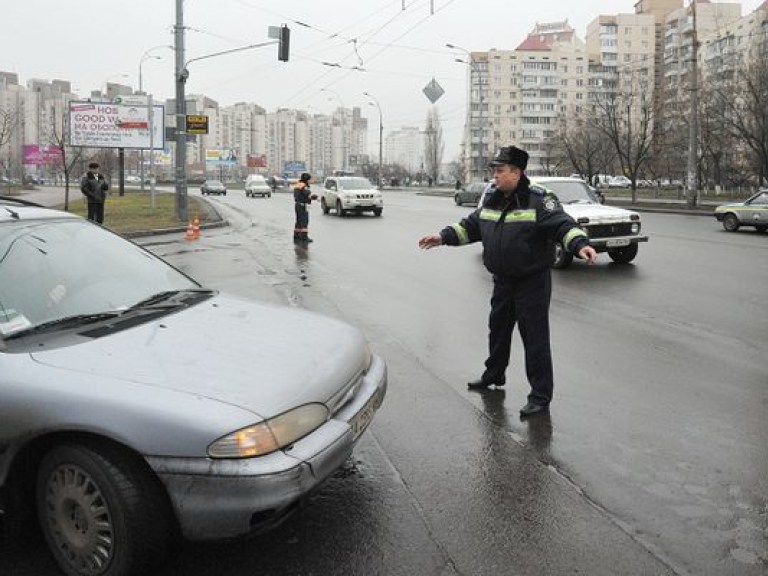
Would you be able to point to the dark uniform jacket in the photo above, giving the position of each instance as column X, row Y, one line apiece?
column 518, row 231
column 94, row 186
column 302, row 195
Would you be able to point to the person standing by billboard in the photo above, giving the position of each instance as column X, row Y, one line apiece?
column 94, row 186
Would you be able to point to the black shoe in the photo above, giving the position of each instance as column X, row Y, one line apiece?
column 530, row 409
column 484, row 384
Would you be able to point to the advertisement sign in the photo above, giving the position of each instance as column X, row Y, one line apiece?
column 163, row 158
column 220, row 157
column 106, row 125
column 197, row 124
column 257, row 161
column 34, row 155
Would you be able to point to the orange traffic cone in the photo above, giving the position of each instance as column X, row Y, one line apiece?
column 190, row 235
column 196, row 228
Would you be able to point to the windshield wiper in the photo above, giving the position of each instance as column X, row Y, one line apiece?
column 64, row 323
column 155, row 299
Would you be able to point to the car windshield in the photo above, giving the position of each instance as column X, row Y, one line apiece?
column 571, row 192
column 214, row 183
column 355, row 184
column 57, row 269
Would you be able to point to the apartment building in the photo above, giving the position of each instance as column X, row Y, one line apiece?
column 517, row 96
column 405, row 147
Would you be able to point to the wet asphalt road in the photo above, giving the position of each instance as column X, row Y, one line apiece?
column 653, row 460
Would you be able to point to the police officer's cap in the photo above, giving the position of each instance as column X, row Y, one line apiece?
column 511, row 155
column 306, row 177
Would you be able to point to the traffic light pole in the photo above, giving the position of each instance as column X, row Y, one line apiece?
column 181, row 116
column 182, row 74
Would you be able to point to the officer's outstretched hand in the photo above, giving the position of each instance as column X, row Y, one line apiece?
column 430, row 241
column 588, row 253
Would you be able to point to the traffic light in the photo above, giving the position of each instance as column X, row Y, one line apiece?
column 284, row 45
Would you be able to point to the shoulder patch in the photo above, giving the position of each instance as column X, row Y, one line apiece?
column 550, row 202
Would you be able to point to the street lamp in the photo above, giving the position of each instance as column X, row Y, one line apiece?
column 478, row 72
column 343, row 139
column 381, row 131
column 150, row 116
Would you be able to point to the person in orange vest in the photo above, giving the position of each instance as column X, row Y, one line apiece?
column 302, row 198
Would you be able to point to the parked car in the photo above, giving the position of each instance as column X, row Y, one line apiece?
column 611, row 229
column 256, row 185
column 131, row 179
column 619, row 182
column 471, row 194
column 213, row 187
column 137, row 404
column 350, row 194
column 751, row 212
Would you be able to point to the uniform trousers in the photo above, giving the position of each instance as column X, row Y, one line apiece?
column 525, row 302
column 302, row 217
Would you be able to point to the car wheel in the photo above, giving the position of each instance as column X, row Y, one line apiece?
column 339, row 209
column 100, row 511
column 269, row 195
column 623, row 255
column 457, row 199
column 730, row 222
column 761, row 229
column 563, row 258
column 377, row 211
column 324, row 206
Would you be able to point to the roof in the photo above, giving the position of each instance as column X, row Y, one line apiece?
column 546, row 41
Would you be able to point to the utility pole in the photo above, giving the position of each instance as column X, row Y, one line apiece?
column 181, row 116
column 693, row 126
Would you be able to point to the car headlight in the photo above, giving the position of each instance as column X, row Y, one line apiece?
column 270, row 435
column 635, row 228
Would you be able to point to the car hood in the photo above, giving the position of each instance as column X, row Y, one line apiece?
column 728, row 205
column 260, row 357
column 598, row 212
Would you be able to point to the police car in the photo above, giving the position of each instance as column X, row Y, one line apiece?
column 610, row 229
column 751, row 212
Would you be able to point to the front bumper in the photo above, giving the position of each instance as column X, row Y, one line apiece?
column 615, row 242
column 362, row 204
column 221, row 499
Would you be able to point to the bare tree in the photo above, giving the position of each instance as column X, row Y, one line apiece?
column 10, row 119
column 70, row 156
column 587, row 149
column 433, row 144
column 743, row 110
column 626, row 117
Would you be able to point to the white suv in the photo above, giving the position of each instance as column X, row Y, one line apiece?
column 610, row 229
column 256, row 185
column 351, row 194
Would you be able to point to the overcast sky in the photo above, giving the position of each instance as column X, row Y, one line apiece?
column 397, row 52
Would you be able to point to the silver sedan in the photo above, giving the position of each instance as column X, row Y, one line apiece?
column 136, row 403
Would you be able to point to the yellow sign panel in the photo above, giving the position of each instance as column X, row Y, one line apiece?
column 197, row 124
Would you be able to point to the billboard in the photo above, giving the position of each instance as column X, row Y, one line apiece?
column 106, row 125
column 257, row 161
column 220, row 156
column 34, row 155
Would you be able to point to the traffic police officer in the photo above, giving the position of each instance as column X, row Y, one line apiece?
column 517, row 225
column 302, row 197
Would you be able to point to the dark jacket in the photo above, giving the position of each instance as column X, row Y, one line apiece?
column 94, row 186
column 518, row 231
column 302, row 194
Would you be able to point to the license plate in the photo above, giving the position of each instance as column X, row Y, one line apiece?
column 615, row 243
column 363, row 418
